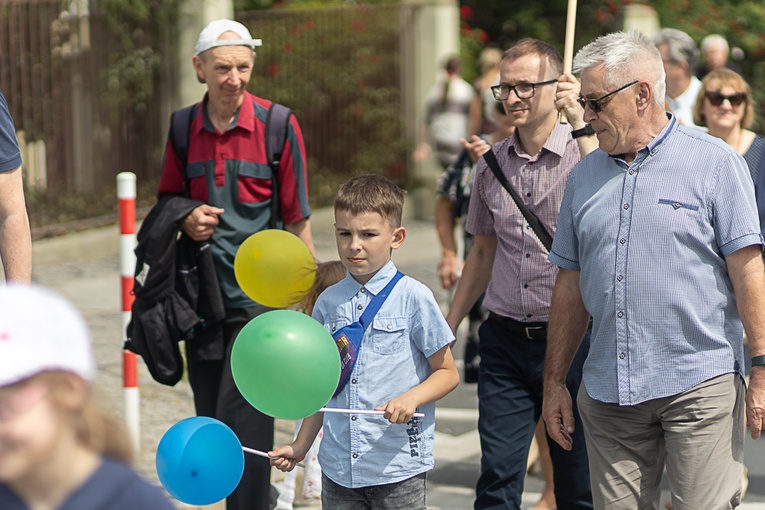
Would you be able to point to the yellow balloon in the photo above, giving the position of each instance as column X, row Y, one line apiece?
column 274, row 268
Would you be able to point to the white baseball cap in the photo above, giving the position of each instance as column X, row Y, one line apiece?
column 41, row 331
column 210, row 35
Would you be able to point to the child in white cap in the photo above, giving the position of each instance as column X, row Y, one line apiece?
column 58, row 451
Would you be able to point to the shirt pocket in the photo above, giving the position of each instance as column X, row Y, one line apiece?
column 253, row 182
column 390, row 335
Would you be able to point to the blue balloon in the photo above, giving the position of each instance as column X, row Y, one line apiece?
column 200, row 461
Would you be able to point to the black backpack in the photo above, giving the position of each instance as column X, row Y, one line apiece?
column 277, row 123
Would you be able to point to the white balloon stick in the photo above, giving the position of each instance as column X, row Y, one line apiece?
column 360, row 411
column 264, row 454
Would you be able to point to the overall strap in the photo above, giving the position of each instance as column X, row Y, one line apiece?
column 374, row 306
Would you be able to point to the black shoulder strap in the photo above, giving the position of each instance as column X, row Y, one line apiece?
column 180, row 131
column 536, row 225
column 277, row 123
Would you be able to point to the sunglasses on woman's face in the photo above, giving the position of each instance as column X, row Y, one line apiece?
column 717, row 99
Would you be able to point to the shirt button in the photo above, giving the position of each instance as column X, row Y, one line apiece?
column 626, row 206
column 632, row 172
column 525, row 285
column 334, row 328
column 355, row 455
column 528, row 194
column 353, row 418
column 389, row 326
column 359, row 307
column 363, row 290
column 528, row 316
column 622, row 241
column 620, row 314
column 353, row 381
column 621, row 355
column 528, row 255
column 619, row 278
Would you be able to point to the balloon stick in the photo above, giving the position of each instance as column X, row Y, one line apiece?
column 360, row 411
column 264, row 454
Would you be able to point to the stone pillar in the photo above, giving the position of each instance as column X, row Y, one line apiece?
column 429, row 32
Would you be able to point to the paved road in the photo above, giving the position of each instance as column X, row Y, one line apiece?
column 85, row 267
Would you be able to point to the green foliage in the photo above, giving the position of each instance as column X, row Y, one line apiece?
column 308, row 63
column 139, row 29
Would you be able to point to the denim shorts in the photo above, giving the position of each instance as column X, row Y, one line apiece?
column 409, row 494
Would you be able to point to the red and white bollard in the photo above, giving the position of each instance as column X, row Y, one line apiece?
column 126, row 194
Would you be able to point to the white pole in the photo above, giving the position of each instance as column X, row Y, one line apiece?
column 126, row 194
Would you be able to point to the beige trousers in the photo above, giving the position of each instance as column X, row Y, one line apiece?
column 699, row 434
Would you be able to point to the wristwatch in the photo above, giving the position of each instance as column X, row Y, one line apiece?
column 585, row 131
column 758, row 361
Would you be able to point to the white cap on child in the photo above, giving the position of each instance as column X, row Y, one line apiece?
column 41, row 331
column 210, row 35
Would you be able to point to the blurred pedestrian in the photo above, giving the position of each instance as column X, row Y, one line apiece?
column 58, row 448
column 15, row 234
column 714, row 53
column 680, row 57
column 484, row 118
column 447, row 109
column 226, row 168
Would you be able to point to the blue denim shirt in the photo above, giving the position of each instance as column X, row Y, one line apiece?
column 650, row 240
column 362, row 450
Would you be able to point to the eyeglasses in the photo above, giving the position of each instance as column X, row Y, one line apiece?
column 717, row 98
column 522, row 90
column 594, row 104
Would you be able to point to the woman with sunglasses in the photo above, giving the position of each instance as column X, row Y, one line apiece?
column 726, row 107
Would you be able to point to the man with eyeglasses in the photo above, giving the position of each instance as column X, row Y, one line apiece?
column 658, row 240
column 509, row 262
column 680, row 56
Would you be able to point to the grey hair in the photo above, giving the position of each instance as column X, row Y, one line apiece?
column 625, row 56
column 680, row 46
column 714, row 41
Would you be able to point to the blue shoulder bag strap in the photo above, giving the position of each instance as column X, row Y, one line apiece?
column 348, row 339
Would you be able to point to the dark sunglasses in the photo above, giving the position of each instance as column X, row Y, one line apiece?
column 595, row 105
column 717, row 99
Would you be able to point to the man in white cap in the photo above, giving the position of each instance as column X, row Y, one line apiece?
column 225, row 166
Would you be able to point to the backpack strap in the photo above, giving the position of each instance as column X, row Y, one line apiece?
column 180, row 134
column 277, row 124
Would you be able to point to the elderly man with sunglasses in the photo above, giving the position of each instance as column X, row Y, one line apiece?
column 658, row 241
column 509, row 262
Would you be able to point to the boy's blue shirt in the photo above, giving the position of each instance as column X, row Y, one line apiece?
column 362, row 450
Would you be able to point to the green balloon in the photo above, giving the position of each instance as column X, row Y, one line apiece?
column 285, row 364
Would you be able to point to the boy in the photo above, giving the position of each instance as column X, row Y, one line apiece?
column 404, row 364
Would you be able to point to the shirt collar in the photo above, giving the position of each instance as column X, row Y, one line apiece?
column 556, row 142
column 244, row 117
column 378, row 282
column 655, row 144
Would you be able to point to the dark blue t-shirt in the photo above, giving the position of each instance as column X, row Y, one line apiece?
column 113, row 486
column 10, row 157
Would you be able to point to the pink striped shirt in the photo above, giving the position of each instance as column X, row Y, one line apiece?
column 522, row 278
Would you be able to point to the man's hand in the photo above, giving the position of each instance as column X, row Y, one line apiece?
column 755, row 402
column 477, row 147
column 558, row 415
column 447, row 269
column 566, row 95
column 200, row 224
